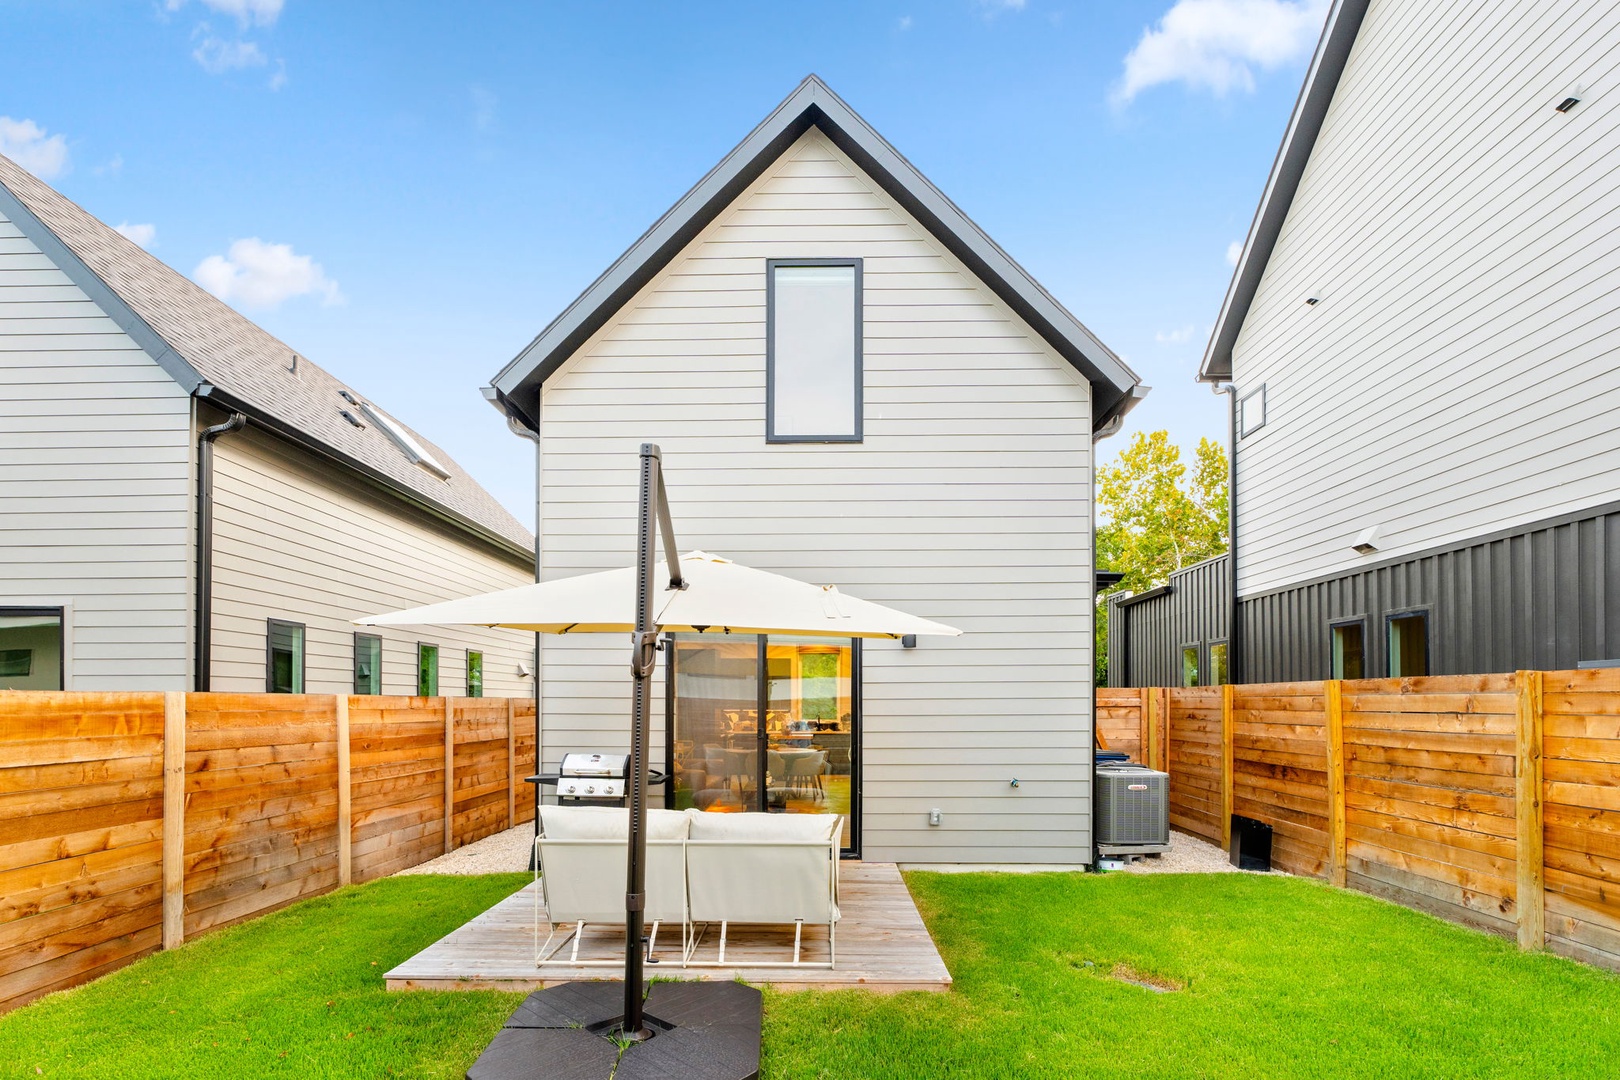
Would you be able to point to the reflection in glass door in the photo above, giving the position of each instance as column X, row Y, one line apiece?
column 765, row 724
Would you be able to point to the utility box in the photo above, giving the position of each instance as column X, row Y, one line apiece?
column 1251, row 844
column 1132, row 809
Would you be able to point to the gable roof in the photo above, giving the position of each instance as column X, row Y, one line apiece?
column 219, row 355
column 516, row 388
column 1332, row 52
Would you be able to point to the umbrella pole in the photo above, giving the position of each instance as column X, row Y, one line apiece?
column 643, row 660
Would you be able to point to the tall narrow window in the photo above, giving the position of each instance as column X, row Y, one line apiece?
column 427, row 670
column 1408, row 644
column 813, row 350
column 31, row 648
column 1189, row 665
column 475, row 674
column 1349, row 651
column 1219, row 672
column 284, row 657
column 367, row 664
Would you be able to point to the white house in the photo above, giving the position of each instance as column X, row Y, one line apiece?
column 850, row 383
column 186, row 503
column 1424, row 337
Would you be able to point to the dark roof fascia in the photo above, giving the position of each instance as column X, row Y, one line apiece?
column 90, row 283
column 1310, row 110
column 223, row 399
column 813, row 104
column 1162, row 590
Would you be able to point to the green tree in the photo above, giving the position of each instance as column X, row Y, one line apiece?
column 1155, row 517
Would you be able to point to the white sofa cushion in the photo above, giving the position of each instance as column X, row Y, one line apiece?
column 706, row 825
column 608, row 823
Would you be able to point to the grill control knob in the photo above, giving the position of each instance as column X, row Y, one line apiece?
column 591, row 790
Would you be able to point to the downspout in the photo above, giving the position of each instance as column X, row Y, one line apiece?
column 522, row 430
column 205, row 547
column 1234, row 627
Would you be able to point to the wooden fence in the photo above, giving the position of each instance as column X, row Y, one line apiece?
column 130, row 822
column 1491, row 800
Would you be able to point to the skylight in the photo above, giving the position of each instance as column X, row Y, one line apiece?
column 405, row 441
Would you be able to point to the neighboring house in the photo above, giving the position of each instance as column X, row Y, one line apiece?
column 323, row 507
column 1424, row 336
column 850, row 383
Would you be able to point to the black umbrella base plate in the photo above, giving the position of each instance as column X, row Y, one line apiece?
column 702, row 1030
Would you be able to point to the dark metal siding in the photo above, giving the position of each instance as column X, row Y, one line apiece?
column 1542, row 598
column 1145, row 638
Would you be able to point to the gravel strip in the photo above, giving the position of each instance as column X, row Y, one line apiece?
column 1187, row 855
column 505, row 852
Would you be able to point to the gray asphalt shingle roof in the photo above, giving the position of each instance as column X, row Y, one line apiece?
column 207, row 345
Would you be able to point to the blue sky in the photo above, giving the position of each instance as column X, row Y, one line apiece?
column 407, row 193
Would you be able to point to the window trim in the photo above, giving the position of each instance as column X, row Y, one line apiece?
column 1349, row 620
column 63, row 613
column 1181, row 664
column 1244, row 427
column 438, row 658
column 355, row 666
column 770, row 352
column 1428, row 640
column 470, row 654
column 1209, row 649
column 270, row 655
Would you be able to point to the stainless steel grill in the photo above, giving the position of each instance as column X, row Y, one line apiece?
column 593, row 777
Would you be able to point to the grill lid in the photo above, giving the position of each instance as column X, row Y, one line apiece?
column 616, row 765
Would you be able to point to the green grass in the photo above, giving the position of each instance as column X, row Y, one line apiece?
column 1281, row 978
column 296, row 994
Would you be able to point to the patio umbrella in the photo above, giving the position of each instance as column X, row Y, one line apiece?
column 705, row 594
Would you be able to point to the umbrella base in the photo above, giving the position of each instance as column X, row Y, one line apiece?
column 703, row 1030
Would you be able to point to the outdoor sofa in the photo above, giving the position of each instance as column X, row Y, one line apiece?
column 702, row 868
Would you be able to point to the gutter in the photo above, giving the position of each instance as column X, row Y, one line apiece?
column 1234, row 623
column 230, row 403
column 203, row 659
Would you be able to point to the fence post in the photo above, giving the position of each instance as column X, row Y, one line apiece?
column 1333, row 704
column 1528, row 810
column 174, row 818
column 449, row 775
column 1150, row 742
column 340, row 709
column 511, row 763
column 1226, row 766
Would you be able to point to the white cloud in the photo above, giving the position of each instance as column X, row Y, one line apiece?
column 279, row 79
column 247, row 12
column 992, row 8
column 218, row 56
column 141, row 235
column 484, row 102
column 1176, row 337
column 1215, row 45
column 903, row 23
column 1234, row 252
column 111, row 167
column 262, row 275
column 25, row 142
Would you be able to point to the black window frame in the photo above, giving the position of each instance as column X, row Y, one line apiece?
column 1359, row 621
column 1197, row 648
column 438, row 658
column 1209, row 651
column 270, row 656
column 770, row 351
column 61, row 631
column 470, row 654
column 376, row 675
column 1428, row 641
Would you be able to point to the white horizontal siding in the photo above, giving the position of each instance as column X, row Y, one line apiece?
column 1459, row 374
column 967, row 502
column 295, row 540
column 95, row 479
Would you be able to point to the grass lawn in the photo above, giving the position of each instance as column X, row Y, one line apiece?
column 1280, row 978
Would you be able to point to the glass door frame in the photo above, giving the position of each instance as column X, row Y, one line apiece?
column 762, row 734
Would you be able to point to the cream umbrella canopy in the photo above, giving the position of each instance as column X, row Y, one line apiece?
column 704, row 594
column 719, row 596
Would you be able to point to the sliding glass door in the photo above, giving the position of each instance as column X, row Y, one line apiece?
column 766, row 724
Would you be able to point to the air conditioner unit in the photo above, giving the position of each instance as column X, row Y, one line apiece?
column 1131, row 809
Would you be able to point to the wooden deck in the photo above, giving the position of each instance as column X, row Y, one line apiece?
column 883, row 946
